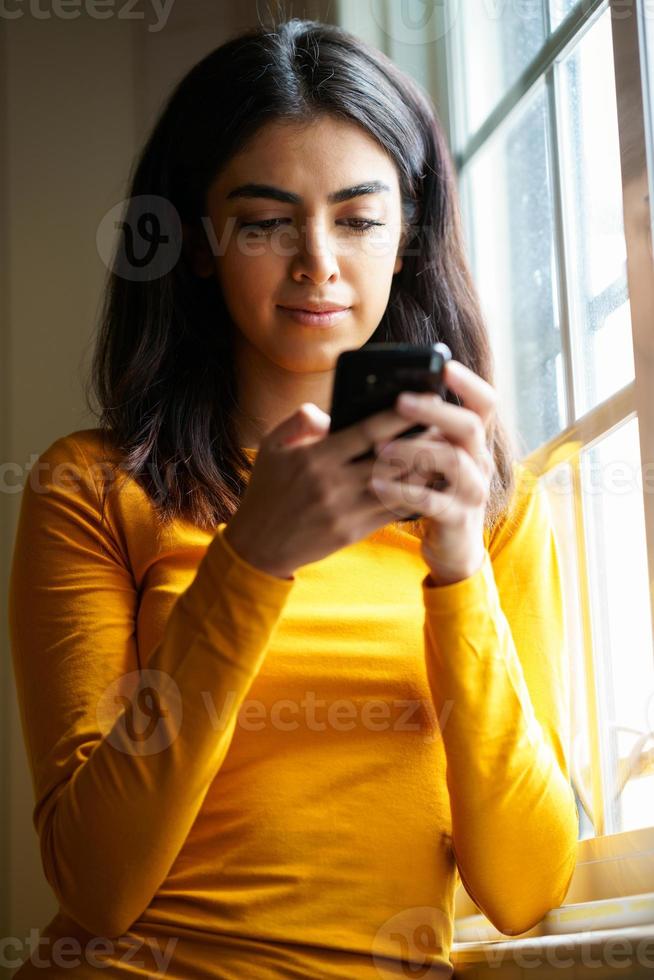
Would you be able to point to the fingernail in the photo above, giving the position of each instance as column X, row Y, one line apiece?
column 408, row 401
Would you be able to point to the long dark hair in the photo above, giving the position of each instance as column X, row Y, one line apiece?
column 163, row 371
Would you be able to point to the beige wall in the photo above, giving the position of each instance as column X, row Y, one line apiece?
column 76, row 100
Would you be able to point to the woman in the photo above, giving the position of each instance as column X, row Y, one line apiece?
column 271, row 725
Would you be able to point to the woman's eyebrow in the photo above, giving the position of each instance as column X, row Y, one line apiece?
column 287, row 197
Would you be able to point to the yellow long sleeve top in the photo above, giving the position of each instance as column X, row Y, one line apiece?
column 329, row 755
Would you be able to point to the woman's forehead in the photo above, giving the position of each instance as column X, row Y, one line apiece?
column 325, row 157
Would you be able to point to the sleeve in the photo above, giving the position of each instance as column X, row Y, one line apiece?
column 121, row 757
column 496, row 664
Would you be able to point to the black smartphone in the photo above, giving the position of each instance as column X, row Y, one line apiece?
column 369, row 379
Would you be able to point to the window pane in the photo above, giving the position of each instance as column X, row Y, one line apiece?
column 559, row 488
column 559, row 10
column 622, row 637
column 590, row 156
column 507, row 204
column 492, row 44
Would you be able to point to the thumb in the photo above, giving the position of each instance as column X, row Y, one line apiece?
column 307, row 420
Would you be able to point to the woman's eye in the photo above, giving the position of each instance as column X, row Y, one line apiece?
column 266, row 225
column 362, row 224
column 357, row 225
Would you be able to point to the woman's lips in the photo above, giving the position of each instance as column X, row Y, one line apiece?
column 312, row 319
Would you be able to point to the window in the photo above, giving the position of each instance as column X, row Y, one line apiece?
column 551, row 122
column 542, row 202
column 549, row 109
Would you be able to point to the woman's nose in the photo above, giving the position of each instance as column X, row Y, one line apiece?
column 316, row 254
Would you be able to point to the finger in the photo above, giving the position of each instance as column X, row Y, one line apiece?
column 430, row 432
column 346, row 444
column 403, row 499
column 364, row 470
column 371, row 510
column 428, row 459
column 476, row 393
column 486, row 463
column 461, row 426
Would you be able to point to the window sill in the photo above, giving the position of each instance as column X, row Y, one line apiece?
column 594, row 953
column 586, row 939
column 607, row 913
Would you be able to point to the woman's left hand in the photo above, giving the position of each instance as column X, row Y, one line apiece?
column 454, row 446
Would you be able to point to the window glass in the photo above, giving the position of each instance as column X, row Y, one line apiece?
column 592, row 188
column 612, row 481
column 492, row 43
column 558, row 484
column 509, row 229
column 559, row 10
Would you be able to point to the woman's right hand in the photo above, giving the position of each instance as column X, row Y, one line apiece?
column 305, row 501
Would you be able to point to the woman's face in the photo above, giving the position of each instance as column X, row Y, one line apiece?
column 314, row 252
